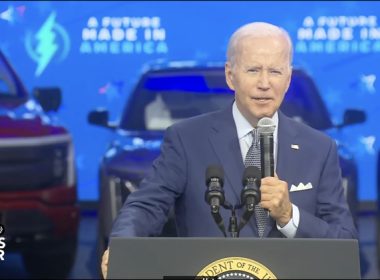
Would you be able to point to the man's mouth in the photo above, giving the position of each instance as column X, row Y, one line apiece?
column 262, row 99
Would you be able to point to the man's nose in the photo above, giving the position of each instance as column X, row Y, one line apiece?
column 263, row 82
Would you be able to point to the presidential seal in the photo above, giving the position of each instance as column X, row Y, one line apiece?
column 235, row 268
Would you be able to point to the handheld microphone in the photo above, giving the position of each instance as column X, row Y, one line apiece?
column 266, row 127
column 214, row 195
column 250, row 194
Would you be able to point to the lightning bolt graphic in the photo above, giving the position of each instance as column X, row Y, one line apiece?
column 46, row 47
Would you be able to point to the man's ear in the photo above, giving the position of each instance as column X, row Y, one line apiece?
column 290, row 77
column 229, row 76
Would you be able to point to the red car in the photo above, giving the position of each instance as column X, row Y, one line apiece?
column 38, row 194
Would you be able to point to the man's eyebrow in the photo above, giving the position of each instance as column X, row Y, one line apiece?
column 277, row 67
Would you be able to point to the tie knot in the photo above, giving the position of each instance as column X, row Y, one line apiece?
column 253, row 155
column 255, row 136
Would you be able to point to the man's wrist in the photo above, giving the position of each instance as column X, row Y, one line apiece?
column 288, row 217
column 290, row 229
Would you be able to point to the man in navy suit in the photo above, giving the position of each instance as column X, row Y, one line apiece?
column 304, row 198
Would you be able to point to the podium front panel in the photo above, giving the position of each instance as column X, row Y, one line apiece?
column 162, row 257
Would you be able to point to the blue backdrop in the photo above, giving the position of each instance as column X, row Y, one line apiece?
column 95, row 51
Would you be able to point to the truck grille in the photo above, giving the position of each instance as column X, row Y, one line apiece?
column 32, row 167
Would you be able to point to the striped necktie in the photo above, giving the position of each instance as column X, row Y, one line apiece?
column 253, row 159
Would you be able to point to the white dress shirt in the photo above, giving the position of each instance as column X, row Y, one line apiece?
column 244, row 129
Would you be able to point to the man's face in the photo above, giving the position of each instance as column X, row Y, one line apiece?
column 260, row 76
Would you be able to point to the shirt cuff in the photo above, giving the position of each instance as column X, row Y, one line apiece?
column 290, row 229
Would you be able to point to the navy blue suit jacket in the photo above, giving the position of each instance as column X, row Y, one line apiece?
column 177, row 178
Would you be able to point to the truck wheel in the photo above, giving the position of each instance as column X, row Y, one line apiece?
column 50, row 264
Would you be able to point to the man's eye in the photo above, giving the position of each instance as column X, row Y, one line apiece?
column 253, row 70
column 276, row 72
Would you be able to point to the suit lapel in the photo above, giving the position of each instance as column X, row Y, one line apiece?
column 287, row 137
column 224, row 140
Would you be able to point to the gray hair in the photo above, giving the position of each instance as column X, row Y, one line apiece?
column 257, row 29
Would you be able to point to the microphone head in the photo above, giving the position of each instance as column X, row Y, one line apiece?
column 214, row 171
column 251, row 172
column 266, row 126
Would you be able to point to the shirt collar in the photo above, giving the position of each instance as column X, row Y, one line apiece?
column 243, row 127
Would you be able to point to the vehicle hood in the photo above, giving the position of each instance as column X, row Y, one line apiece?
column 131, row 154
column 13, row 127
